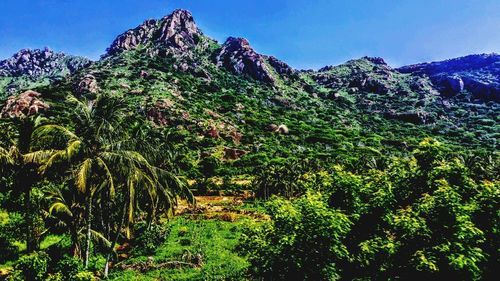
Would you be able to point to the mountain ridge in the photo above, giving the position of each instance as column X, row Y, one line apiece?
column 177, row 77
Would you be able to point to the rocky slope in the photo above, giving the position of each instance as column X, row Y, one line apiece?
column 220, row 99
column 477, row 74
column 37, row 67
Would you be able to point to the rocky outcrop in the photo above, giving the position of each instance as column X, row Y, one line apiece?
column 477, row 74
column 367, row 74
column 279, row 129
column 39, row 63
column 237, row 56
column 87, row 85
column 178, row 31
column 280, row 67
column 25, row 104
column 233, row 154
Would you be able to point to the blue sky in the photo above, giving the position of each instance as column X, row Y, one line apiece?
column 304, row 33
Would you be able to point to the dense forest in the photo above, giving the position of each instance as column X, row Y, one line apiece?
column 175, row 157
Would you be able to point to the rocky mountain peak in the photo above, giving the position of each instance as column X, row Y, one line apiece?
column 40, row 62
column 477, row 74
column 239, row 57
column 177, row 30
column 376, row 60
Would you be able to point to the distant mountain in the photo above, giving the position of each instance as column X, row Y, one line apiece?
column 478, row 74
column 31, row 68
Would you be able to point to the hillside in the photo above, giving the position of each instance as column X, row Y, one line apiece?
column 353, row 171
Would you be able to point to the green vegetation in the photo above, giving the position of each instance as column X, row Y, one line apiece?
column 354, row 172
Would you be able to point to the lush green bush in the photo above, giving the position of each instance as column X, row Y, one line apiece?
column 33, row 266
column 304, row 241
column 69, row 267
column 84, row 276
column 149, row 238
column 11, row 230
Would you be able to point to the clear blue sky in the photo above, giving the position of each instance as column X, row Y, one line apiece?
column 304, row 33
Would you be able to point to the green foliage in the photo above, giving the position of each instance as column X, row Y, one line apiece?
column 422, row 217
column 33, row 266
column 11, row 225
column 69, row 267
column 304, row 241
column 149, row 238
column 84, row 276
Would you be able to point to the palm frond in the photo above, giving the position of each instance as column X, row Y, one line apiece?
column 38, row 157
column 5, row 157
column 99, row 238
column 47, row 133
column 55, row 157
column 60, row 208
column 109, row 175
column 83, row 174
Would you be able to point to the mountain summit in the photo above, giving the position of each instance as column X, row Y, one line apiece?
column 38, row 67
column 177, row 30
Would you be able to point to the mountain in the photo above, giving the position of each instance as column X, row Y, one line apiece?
column 477, row 74
column 31, row 68
column 241, row 107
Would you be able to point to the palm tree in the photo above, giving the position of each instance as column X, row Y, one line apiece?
column 99, row 162
column 23, row 111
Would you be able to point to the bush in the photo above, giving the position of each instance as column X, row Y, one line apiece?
column 69, row 267
column 8, row 250
column 33, row 266
column 84, row 276
column 148, row 239
column 11, row 227
column 303, row 242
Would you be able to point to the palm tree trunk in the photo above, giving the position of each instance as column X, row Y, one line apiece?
column 75, row 244
column 88, row 232
column 113, row 243
column 30, row 244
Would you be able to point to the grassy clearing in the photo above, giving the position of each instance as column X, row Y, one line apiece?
column 209, row 236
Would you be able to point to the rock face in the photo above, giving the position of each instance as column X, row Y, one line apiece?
column 281, row 67
column 178, row 31
column 478, row 74
column 237, row 56
column 87, row 85
column 38, row 63
column 367, row 74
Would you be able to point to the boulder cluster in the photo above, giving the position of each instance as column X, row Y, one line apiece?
column 239, row 57
column 25, row 104
column 38, row 63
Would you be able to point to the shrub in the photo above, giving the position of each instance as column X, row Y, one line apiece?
column 33, row 266
column 148, row 239
column 69, row 266
column 303, row 242
column 84, row 276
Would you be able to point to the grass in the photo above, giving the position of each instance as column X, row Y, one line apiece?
column 212, row 239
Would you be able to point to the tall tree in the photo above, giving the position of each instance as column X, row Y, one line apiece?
column 100, row 160
column 23, row 111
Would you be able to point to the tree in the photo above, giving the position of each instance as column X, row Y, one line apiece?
column 304, row 240
column 98, row 161
column 23, row 111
